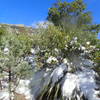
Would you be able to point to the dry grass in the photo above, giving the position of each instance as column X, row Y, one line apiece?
column 19, row 97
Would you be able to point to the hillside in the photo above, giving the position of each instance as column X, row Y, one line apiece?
column 46, row 67
column 57, row 60
column 18, row 28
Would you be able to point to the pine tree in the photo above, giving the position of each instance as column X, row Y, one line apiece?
column 13, row 49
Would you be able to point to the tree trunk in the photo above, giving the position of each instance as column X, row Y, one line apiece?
column 0, row 85
column 9, row 83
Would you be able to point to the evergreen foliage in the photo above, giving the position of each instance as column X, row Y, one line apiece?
column 13, row 49
column 72, row 15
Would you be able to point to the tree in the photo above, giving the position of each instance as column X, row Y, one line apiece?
column 70, row 46
column 72, row 15
column 13, row 49
column 72, row 30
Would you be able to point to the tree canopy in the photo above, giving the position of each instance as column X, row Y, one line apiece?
column 72, row 15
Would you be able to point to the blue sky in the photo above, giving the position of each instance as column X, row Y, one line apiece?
column 31, row 11
column 23, row 11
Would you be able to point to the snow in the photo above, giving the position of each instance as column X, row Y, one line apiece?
column 58, row 73
column 93, row 47
column 84, row 80
column 51, row 58
column 33, row 51
column 82, row 48
column 4, row 95
column 56, row 50
column 5, row 85
column 87, row 84
column 65, row 61
column 69, row 85
column 40, row 80
column 88, row 43
column 87, row 62
column 75, row 38
column 23, row 88
column 6, row 50
column 31, row 60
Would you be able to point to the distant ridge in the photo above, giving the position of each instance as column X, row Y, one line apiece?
column 18, row 28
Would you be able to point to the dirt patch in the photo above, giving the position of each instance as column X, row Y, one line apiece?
column 19, row 97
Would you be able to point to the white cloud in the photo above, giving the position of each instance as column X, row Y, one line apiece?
column 41, row 24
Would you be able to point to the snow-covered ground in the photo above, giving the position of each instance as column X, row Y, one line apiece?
column 82, row 80
column 22, row 89
column 4, row 95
